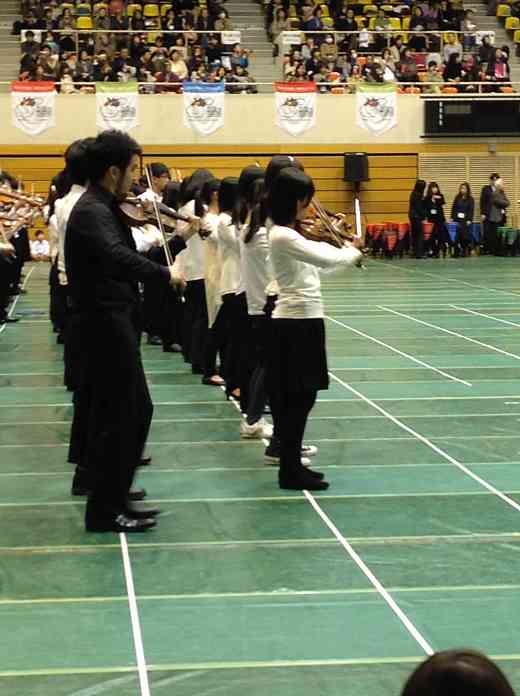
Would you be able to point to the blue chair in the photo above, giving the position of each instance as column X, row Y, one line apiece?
column 452, row 230
column 476, row 232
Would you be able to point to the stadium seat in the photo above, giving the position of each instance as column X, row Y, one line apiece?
column 67, row 6
column 507, row 90
column 406, row 23
column 503, row 11
column 84, row 23
column 370, row 9
column 512, row 23
column 83, row 9
column 337, row 90
column 132, row 7
column 151, row 10
column 395, row 23
column 449, row 90
column 164, row 8
column 387, row 8
column 516, row 37
column 328, row 22
column 99, row 5
column 324, row 11
column 413, row 90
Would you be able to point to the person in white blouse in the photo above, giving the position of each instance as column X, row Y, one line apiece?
column 207, row 205
column 40, row 249
column 190, row 263
column 297, row 361
column 58, row 301
column 76, row 168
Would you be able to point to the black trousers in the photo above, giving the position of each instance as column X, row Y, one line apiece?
column 195, row 324
column 57, row 301
column 417, row 238
column 292, row 410
column 6, row 275
column 238, row 363
column 490, row 237
column 114, row 408
column 217, row 343
column 257, row 396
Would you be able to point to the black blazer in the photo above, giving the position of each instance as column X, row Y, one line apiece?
column 437, row 206
column 464, row 206
column 103, row 266
column 485, row 200
column 416, row 209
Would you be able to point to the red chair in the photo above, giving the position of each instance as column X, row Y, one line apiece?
column 427, row 230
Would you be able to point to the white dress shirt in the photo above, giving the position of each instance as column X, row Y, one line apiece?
column 296, row 261
column 63, row 208
column 190, row 261
column 230, row 253
column 52, row 230
column 40, row 248
column 212, row 267
column 257, row 270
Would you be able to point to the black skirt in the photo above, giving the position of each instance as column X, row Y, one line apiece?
column 296, row 356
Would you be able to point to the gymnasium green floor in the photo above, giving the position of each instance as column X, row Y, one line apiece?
column 243, row 588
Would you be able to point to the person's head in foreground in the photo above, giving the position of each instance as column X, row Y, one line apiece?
column 457, row 673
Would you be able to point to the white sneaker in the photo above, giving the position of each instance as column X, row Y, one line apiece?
column 275, row 462
column 309, row 450
column 258, row 431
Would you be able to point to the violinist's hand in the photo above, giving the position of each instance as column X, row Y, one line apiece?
column 355, row 242
column 195, row 226
column 177, row 279
column 7, row 249
column 310, row 227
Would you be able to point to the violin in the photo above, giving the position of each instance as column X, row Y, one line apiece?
column 322, row 226
column 137, row 213
column 6, row 194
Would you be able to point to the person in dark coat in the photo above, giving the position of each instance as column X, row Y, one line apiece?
column 434, row 205
column 104, row 270
column 463, row 213
column 489, row 229
column 417, row 215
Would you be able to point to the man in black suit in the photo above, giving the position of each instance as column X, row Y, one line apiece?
column 103, row 270
column 489, row 228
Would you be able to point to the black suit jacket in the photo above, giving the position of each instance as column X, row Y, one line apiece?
column 485, row 200
column 103, row 266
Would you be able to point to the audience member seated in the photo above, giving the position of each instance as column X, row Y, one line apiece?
column 40, row 250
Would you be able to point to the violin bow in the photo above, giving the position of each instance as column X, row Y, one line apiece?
column 167, row 250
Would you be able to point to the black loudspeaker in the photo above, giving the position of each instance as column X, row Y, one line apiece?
column 355, row 167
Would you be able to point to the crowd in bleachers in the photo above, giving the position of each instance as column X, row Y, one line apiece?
column 56, row 45
column 435, row 42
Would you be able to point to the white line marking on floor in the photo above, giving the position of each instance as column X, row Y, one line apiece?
column 452, row 333
column 488, row 316
column 134, row 615
column 399, row 352
column 431, row 445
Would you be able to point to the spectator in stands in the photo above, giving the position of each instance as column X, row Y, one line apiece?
column 280, row 23
column 137, row 48
column 84, row 68
column 433, row 75
column 223, row 23
column 169, row 77
column 417, row 22
column 382, row 23
column 447, row 19
column 364, row 37
column 469, row 27
column 312, row 66
column 328, row 49
column 48, row 63
column 119, row 22
column 457, row 672
column 407, row 67
column 346, row 21
column 214, row 49
column 178, row 65
column 470, row 72
column 239, row 56
column 322, row 77
column 67, row 21
column 486, row 50
column 396, row 48
column 453, row 69
column 137, row 21
column 498, row 67
column 49, row 39
column 515, row 9
column 30, row 46
column 452, row 45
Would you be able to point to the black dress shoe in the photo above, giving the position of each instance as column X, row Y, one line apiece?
column 317, row 474
column 145, row 461
column 136, row 494
column 141, row 512
column 301, row 480
column 154, row 341
column 10, row 320
column 60, row 340
column 122, row 524
column 174, row 348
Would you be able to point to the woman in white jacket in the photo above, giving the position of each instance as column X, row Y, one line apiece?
column 297, row 361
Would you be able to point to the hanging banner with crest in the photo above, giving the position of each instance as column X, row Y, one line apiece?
column 33, row 106
column 295, row 106
column 376, row 107
column 117, row 105
column 203, row 106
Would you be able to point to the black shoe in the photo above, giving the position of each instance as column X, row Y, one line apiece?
column 196, row 370
column 122, row 524
column 174, row 348
column 136, row 494
column 80, row 484
column 60, row 340
column 154, row 341
column 316, row 474
column 141, row 512
column 300, row 481
column 9, row 320
column 145, row 461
